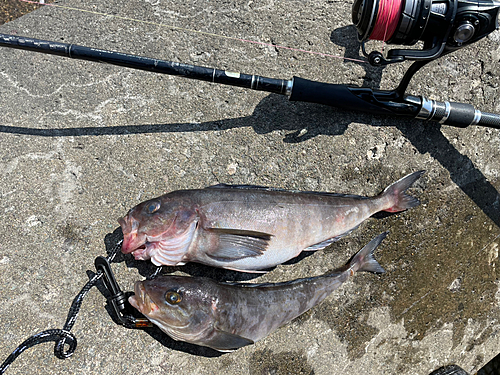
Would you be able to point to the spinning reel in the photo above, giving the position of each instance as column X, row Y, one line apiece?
column 442, row 25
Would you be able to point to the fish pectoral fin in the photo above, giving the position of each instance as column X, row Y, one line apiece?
column 323, row 244
column 226, row 342
column 234, row 244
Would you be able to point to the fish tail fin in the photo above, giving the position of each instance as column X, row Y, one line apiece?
column 396, row 193
column 364, row 259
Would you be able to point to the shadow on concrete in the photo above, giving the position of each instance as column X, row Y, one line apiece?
column 346, row 37
column 304, row 120
column 462, row 170
column 182, row 346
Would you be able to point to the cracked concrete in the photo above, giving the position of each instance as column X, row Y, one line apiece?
column 81, row 143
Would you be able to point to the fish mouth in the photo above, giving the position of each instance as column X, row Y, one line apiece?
column 134, row 245
column 144, row 251
column 138, row 244
column 131, row 240
column 140, row 253
column 141, row 300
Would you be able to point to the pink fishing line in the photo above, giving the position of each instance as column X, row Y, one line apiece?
column 388, row 15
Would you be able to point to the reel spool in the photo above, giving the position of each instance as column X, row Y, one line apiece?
column 443, row 25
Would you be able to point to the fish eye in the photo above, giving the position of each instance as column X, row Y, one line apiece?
column 173, row 298
column 153, row 207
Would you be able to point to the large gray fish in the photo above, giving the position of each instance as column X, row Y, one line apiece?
column 227, row 316
column 246, row 228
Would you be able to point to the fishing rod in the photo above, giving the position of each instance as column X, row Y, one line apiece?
column 443, row 26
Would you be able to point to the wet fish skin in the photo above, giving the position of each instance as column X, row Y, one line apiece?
column 227, row 316
column 249, row 228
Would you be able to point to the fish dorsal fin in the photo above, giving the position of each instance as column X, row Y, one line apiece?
column 226, row 186
column 226, row 342
column 265, row 188
column 282, row 283
column 323, row 244
column 234, row 244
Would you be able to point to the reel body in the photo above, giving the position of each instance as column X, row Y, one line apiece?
column 443, row 25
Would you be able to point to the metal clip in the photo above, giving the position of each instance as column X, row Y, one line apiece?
column 119, row 300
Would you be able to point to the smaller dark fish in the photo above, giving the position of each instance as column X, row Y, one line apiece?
column 228, row 316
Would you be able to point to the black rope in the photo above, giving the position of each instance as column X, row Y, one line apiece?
column 62, row 337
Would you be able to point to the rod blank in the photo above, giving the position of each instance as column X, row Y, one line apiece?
column 254, row 82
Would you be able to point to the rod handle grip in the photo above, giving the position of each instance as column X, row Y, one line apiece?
column 334, row 95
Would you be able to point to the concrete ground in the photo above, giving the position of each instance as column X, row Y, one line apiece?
column 81, row 143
